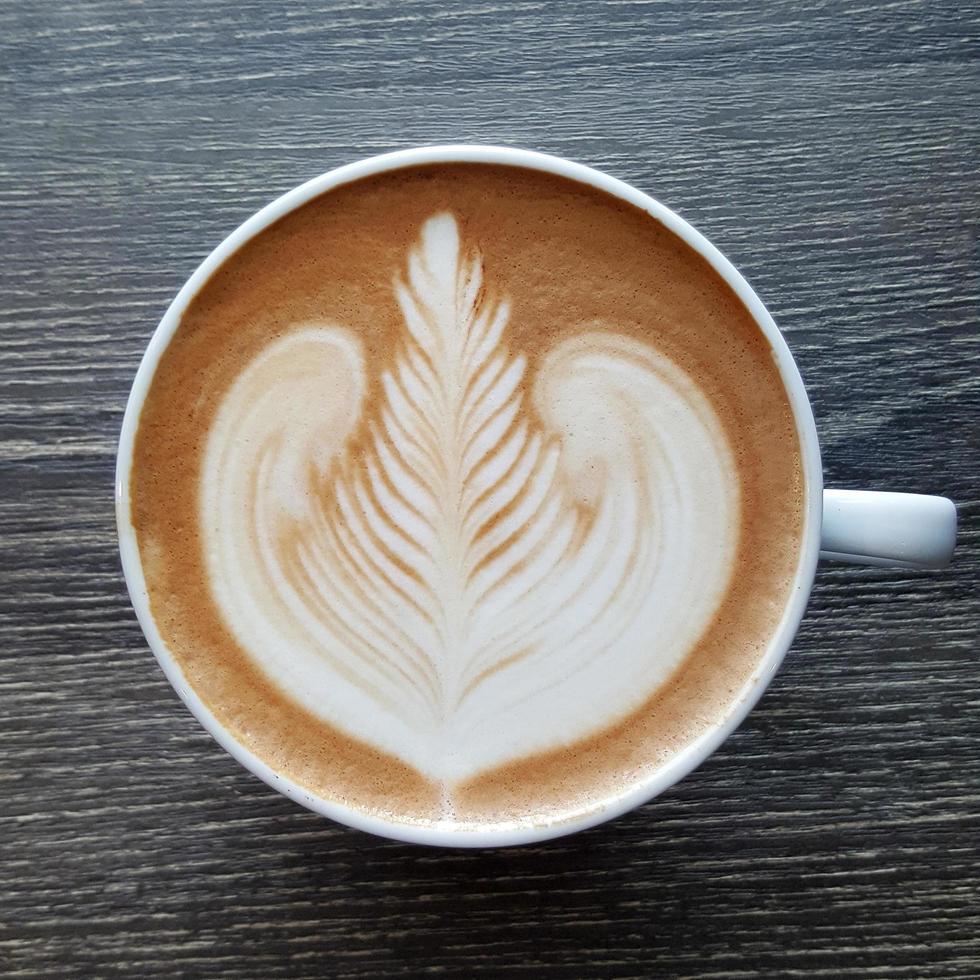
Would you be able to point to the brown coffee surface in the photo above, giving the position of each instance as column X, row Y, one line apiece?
column 572, row 262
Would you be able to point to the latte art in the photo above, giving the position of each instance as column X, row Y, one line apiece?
column 487, row 561
column 466, row 495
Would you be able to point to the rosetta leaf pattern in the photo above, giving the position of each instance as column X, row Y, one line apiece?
column 454, row 491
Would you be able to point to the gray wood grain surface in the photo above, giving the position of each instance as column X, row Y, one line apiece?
column 830, row 149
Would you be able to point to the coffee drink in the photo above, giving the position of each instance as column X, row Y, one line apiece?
column 467, row 495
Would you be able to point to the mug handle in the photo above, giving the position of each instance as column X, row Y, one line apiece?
column 871, row 527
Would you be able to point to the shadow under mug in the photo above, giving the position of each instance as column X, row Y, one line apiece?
column 909, row 530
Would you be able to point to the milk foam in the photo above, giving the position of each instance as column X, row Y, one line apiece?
column 486, row 562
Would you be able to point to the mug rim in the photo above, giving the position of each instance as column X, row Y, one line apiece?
column 696, row 751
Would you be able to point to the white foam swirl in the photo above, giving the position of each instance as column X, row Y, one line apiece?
column 483, row 574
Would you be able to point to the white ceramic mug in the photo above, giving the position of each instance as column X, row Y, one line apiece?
column 857, row 526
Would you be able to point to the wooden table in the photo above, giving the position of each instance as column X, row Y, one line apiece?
column 830, row 149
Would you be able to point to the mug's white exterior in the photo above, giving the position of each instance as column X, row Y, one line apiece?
column 693, row 754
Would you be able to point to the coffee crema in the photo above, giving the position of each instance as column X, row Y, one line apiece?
column 467, row 494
